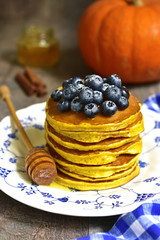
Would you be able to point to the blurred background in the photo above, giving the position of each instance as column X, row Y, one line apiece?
column 63, row 16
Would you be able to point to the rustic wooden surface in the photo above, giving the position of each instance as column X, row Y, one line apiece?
column 18, row 221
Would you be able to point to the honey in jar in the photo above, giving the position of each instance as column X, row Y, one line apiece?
column 38, row 47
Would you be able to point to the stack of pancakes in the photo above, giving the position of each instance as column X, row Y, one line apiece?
column 98, row 153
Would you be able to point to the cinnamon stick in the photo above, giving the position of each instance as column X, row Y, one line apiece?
column 34, row 79
column 29, row 88
column 31, row 83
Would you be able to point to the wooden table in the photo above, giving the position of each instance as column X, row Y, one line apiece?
column 18, row 221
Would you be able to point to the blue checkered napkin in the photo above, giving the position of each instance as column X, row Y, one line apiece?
column 141, row 224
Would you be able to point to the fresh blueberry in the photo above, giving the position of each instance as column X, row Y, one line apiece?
column 86, row 95
column 56, row 95
column 97, row 97
column 112, row 93
column 69, row 92
column 124, row 92
column 109, row 108
column 122, row 103
column 76, row 105
column 114, row 79
column 91, row 110
column 94, row 81
column 80, row 87
column 63, row 105
column 86, row 79
column 67, row 82
column 104, row 87
column 77, row 80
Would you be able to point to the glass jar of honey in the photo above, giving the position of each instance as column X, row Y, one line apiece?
column 38, row 47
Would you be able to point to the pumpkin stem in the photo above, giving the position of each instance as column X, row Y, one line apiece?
column 138, row 3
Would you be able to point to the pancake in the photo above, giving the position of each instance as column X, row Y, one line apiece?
column 121, row 163
column 131, row 130
column 115, row 176
column 95, row 157
column 105, row 144
column 72, row 182
column 76, row 121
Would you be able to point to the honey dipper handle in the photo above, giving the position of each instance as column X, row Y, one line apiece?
column 5, row 95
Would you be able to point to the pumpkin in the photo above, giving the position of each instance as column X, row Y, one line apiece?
column 122, row 37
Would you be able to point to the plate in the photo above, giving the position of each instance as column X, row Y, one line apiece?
column 56, row 199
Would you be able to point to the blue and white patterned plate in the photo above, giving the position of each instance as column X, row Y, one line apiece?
column 56, row 199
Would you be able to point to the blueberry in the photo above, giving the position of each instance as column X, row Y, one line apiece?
column 114, row 79
column 63, row 105
column 76, row 105
column 69, row 92
column 91, row 110
column 94, row 81
column 97, row 97
column 109, row 108
column 67, row 82
column 104, row 87
column 56, row 95
column 112, row 93
column 122, row 102
column 86, row 79
column 124, row 92
column 76, row 81
column 80, row 87
column 86, row 95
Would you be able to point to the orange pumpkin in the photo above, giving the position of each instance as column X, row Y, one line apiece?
column 116, row 36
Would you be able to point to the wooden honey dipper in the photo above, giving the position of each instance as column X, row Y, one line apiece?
column 39, row 164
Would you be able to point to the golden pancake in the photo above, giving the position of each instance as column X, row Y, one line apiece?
column 95, row 157
column 71, row 182
column 74, row 144
column 76, row 121
column 122, row 162
column 117, row 175
column 131, row 130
